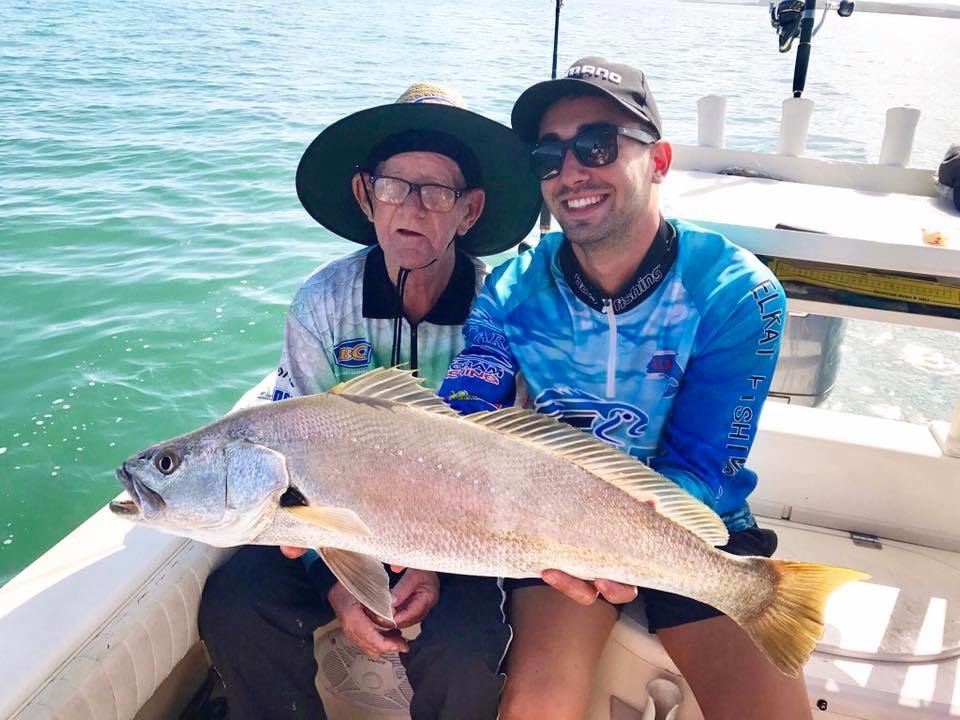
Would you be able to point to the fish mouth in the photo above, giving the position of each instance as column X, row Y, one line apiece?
column 145, row 503
column 124, row 508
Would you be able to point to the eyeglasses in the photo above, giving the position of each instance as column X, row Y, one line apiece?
column 393, row 191
column 594, row 146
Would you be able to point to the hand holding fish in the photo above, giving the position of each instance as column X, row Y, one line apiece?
column 361, row 628
column 586, row 593
column 414, row 595
column 292, row 553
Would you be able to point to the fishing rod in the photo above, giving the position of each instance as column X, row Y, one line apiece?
column 794, row 18
column 803, row 49
column 544, row 211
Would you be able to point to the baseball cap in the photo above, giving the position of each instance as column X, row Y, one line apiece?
column 624, row 84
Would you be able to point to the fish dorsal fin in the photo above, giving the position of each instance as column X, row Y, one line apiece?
column 394, row 385
column 609, row 464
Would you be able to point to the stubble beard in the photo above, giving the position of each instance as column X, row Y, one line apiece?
column 608, row 233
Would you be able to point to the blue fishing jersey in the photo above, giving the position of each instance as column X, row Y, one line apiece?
column 673, row 371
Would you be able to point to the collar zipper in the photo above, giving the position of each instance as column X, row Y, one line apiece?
column 611, row 347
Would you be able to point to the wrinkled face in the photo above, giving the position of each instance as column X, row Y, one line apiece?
column 205, row 486
column 412, row 236
column 596, row 204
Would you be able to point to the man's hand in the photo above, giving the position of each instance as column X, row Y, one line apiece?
column 414, row 594
column 358, row 624
column 291, row 552
column 586, row 593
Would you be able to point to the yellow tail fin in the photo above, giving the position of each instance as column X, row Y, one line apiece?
column 788, row 629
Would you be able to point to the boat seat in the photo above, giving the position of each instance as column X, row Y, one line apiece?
column 94, row 626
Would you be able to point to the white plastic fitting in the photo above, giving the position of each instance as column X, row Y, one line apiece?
column 898, row 134
column 794, row 126
column 711, row 117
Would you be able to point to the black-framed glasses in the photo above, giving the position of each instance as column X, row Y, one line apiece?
column 435, row 197
column 594, row 146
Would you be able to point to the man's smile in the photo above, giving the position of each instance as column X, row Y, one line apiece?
column 582, row 202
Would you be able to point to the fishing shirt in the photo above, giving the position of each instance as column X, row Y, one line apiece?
column 341, row 324
column 673, row 371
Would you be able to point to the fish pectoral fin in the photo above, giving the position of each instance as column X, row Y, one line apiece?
column 365, row 578
column 335, row 519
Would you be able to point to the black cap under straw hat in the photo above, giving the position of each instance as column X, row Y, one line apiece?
column 626, row 85
column 425, row 118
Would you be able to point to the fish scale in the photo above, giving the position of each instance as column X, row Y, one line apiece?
column 541, row 503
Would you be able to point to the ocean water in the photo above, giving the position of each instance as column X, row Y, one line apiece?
column 150, row 234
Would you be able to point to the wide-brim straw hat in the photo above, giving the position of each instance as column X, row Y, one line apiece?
column 328, row 165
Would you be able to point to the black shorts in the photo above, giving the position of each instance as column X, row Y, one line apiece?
column 666, row 610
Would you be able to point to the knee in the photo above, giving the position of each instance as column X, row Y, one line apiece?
column 526, row 706
column 527, row 702
column 449, row 686
column 458, row 669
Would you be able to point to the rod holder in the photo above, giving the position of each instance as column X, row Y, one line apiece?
column 794, row 125
column 948, row 434
column 898, row 134
column 711, row 116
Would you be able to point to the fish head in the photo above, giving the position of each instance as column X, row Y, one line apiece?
column 221, row 490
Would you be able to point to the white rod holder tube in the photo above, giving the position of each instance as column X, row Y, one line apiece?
column 948, row 434
column 794, row 125
column 711, row 115
column 952, row 445
column 898, row 135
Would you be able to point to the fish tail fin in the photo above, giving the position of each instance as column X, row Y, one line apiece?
column 788, row 628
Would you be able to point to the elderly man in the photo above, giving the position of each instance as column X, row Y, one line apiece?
column 428, row 185
column 658, row 337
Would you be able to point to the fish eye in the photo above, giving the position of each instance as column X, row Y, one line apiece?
column 166, row 461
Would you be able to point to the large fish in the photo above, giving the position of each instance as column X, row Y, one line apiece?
column 379, row 470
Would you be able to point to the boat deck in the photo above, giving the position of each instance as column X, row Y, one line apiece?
column 841, row 226
column 878, row 230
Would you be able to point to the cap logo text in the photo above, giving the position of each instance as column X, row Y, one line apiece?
column 600, row 73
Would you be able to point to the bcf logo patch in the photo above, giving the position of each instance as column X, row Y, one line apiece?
column 352, row 353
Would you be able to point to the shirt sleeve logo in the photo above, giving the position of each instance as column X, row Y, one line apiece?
column 352, row 353
column 664, row 364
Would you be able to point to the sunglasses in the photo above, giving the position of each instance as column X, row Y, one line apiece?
column 594, row 146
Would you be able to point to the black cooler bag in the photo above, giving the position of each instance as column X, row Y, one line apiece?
column 948, row 174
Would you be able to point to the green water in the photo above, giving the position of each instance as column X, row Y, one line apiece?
column 151, row 238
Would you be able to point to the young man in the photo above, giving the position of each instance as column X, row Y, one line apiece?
column 656, row 336
column 427, row 185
